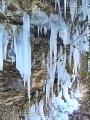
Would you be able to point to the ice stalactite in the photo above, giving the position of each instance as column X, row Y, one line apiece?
column 38, row 17
column 73, row 8
column 19, row 53
column 36, row 112
column 14, row 29
column 1, row 48
column 88, row 12
column 12, row 49
column 57, row 2
column 65, row 5
column 5, row 39
column 3, row 45
column 76, row 52
column 22, row 49
column 53, row 57
column 45, row 30
column 64, row 32
column 3, row 6
column 38, row 30
column 84, row 8
column 26, row 51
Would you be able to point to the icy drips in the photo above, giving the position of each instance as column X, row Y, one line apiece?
column 36, row 112
column 26, row 57
column 22, row 50
column 73, row 8
column 65, row 5
column 3, row 6
column 53, row 57
column 3, row 45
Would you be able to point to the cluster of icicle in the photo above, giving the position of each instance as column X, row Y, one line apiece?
column 21, row 52
column 20, row 49
column 78, row 42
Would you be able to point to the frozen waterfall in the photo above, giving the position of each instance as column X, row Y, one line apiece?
column 71, row 35
column 23, row 52
column 77, row 41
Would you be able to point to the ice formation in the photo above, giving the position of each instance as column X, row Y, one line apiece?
column 3, row 6
column 73, row 8
column 3, row 44
column 76, row 37
column 65, row 5
column 36, row 112
column 78, row 42
column 19, row 50
column 23, row 54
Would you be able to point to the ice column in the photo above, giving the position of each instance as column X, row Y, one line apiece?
column 3, row 6
column 22, row 49
column 26, row 51
column 73, row 8
column 1, row 48
column 19, row 53
column 53, row 57
column 65, row 3
column 3, row 45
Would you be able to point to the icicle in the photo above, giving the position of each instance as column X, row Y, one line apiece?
column 41, row 30
column 14, row 28
column 88, row 15
column 64, row 33
column 38, row 31
column 55, row 4
column 73, row 8
column 1, row 48
column 19, row 54
column 23, row 51
column 6, row 37
column 45, row 30
column 64, row 58
column 84, row 8
column 26, row 51
column 3, row 45
column 3, row 6
column 53, row 50
column 65, row 4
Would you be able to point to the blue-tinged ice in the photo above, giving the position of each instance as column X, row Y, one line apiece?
column 65, row 5
column 64, row 32
column 38, row 17
column 22, row 49
column 73, row 8
column 3, row 6
column 1, row 47
column 36, row 112
column 3, row 44
column 26, row 51
column 19, row 53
